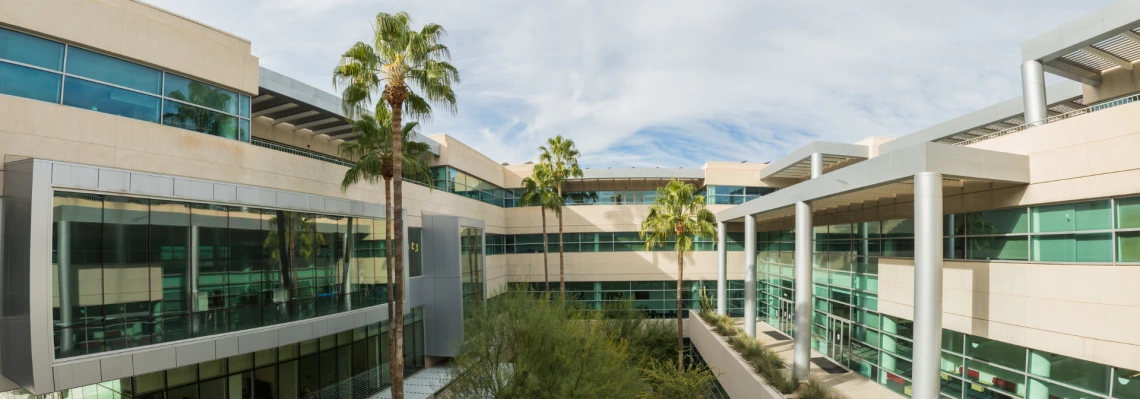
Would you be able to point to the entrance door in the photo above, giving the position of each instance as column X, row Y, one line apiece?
column 787, row 317
column 839, row 340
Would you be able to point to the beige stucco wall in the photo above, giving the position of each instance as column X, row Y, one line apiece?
column 284, row 133
column 143, row 33
column 454, row 153
column 734, row 174
column 1115, row 82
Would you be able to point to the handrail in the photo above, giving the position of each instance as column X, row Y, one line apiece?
column 300, row 151
column 1055, row 118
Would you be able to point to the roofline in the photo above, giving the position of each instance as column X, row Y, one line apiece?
column 1083, row 31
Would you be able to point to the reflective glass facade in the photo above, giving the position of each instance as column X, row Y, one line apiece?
column 847, row 326
column 658, row 299
column 732, row 195
column 33, row 67
column 129, row 272
column 471, row 267
column 628, row 241
column 350, row 364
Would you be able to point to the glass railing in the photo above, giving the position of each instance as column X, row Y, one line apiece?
column 300, row 151
column 1055, row 118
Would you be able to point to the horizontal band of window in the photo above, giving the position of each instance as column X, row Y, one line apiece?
column 17, row 63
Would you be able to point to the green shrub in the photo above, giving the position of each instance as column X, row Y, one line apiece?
column 813, row 388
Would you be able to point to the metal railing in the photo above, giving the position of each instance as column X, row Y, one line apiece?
column 1055, row 118
column 300, row 151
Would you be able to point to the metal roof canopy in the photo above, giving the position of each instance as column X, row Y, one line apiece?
column 286, row 100
column 643, row 173
column 1062, row 97
column 1083, row 49
column 887, row 175
column 797, row 165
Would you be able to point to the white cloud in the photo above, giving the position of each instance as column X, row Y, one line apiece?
column 665, row 83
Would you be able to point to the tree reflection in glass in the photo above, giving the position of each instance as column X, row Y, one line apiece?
column 200, row 119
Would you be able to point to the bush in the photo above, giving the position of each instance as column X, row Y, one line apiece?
column 813, row 388
column 668, row 383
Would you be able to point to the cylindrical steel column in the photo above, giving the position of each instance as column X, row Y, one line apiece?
column 927, row 284
column 67, row 287
column 722, row 268
column 801, row 349
column 1033, row 92
column 750, row 275
column 816, row 164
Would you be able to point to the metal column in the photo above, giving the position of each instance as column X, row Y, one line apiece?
column 927, row 284
column 816, row 164
column 1033, row 92
column 801, row 349
column 750, row 275
column 67, row 288
column 722, row 268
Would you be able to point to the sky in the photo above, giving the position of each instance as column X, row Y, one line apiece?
column 667, row 83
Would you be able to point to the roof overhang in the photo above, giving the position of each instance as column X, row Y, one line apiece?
column 285, row 100
column 1083, row 49
column 887, row 175
column 642, row 174
column 1062, row 97
column 797, row 165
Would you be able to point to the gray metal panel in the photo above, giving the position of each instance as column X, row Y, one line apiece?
column 1085, row 30
column 256, row 196
column 360, row 319
column 340, row 323
column 84, row 373
column 986, row 116
column 293, row 334
column 197, row 352
column 226, row 347
column 320, row 328
column 338, row 205
column 75, row 176
column 951, row 161
column 155, row 360
column 114, row 180
column 258, row 341
column 822, row 147
column 147, row 184
column 113, row 368
column 292, row 200
column 225, row 192
column 443, row 310
column 194, row 189
column 317, row 203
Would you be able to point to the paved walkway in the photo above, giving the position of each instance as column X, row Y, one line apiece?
column 850, row 384
column 421, row 385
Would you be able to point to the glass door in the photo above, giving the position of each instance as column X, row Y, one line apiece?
column 787, row 317
column 839, row 340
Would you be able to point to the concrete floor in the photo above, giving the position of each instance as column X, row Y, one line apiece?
column 850, row 384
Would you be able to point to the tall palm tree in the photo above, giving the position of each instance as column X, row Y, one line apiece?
column 539, row 189
column 399, row 59
column 560, row 155
column 374, row 157
column 677, row 214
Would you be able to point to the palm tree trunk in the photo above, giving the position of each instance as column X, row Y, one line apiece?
column 561, row 252
column 396, row 326
column 388, row 213
column 545, row 256
column 680, row 331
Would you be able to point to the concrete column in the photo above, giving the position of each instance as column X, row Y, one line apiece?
column 722, row 268
column 66, row 285
column 816, row 164
column 750, row 275
column 1033, row 92
column 801, row 349
column 927, row 284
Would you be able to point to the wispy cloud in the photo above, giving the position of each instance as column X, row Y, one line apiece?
column 676, row 83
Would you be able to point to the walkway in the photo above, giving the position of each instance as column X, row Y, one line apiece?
column 422, row 385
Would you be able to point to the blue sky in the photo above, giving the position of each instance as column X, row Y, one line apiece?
column 668, row 83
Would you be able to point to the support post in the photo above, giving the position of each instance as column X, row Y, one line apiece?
column 750, row 275
column 66, row 286
column 801, row 349
column 1033, row 92
column 816, row 164
column 927, row 284
column 722, row 268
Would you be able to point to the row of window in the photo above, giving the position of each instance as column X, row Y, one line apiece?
column 733, row 195
column 627, row 241
column 130, row 272
column 657, row 299
column 352, row 363
column 41, row 69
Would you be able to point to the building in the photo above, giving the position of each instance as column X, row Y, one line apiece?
column 154, row 173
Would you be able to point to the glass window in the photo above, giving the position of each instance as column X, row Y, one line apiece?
column 93, row 96
column 30, row 83
column 113, row 70
column 1044, row 389
column 998, row 248
column 1076, row 372
column 198, row 93
column 1128, row 246
column 1128, row 213
column 1006, row 221
column 243, row 106
column 1093, row 215
column 31, row 50
column 197, row 119
column 998, row 352
column 1126, row 384
column 243, row 130
column 898, row 228
column 1095, row 247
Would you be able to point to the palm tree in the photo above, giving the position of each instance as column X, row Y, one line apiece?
column 677, row 214
column 372, row 152
column 539, row 189
column 561, row 157
column 398, row 59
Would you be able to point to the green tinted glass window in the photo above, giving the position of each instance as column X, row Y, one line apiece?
column 997, row 352
column 1126, row 384
column 1128, row 213
column 198, row 93
column 1095, row 247
column 1006, row 221
column 1092, row 215
column 30, row 83
column 31, row 50
column 1128, row 246
column 998, row 248
column 1081, row 373
column 113, row 70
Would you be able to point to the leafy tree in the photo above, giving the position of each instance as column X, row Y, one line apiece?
column 398, row 60
column 560, row 155
column 677, row 214
column 539, row 189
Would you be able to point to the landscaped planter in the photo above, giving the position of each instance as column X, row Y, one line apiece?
column 732, row 371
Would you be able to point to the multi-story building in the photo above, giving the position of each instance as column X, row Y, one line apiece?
column 173, row 225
